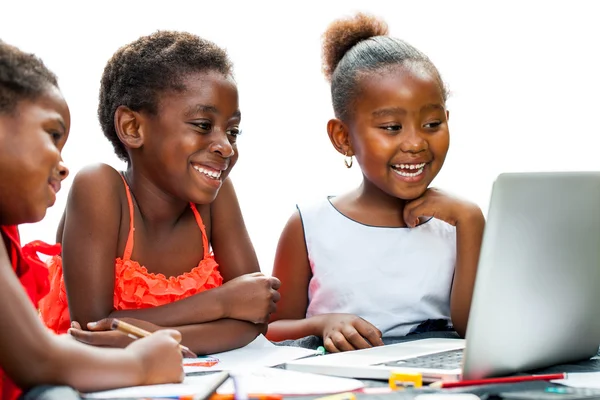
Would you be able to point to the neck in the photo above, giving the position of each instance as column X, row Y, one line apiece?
column 371, row 197
column 156, row 206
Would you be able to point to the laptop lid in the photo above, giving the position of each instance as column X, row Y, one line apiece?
column 537, row 288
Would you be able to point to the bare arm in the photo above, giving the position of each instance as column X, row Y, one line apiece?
column 199, row 338
column 229, row 237
column 293, row 270
column 231, row 334
column 90, row 242
column 31, row 355
column 469, row 234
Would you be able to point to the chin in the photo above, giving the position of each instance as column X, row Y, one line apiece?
column 411, row 194
column 35, row 216
column 204, row 197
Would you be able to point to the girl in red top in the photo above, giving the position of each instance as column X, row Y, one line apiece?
column 34, row 126
column 162, row 243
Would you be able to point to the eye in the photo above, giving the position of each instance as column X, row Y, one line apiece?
column 394, row 128
column 56, row 136
column 432, row 125
column 203, row 125
column 234, row 132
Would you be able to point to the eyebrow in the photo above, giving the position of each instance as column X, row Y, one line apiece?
column 397, row 111
column 201, row 108
column 436, row 106
column 387, row 112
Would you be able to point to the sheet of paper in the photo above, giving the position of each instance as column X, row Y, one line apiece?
column 589, row 380
column 190, row 386
column 259, row 353
column 259, row 381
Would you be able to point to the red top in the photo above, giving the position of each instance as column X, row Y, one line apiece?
column 135, row 287
column 33, row 274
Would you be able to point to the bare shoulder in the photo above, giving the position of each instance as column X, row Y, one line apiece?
column 97, row 184
column 293, row 232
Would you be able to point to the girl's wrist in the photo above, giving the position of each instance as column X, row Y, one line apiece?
column 316, row 324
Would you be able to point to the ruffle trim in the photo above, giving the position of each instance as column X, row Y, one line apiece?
column 136, row 288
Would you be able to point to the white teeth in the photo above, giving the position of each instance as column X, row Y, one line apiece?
column 409, row 174
column 210, row 173
column 409, row 166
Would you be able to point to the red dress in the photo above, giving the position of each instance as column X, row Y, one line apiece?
column 135, row 287
column 33, row 274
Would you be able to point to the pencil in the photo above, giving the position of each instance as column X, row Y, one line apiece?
column 491, row 381
column 137, row 333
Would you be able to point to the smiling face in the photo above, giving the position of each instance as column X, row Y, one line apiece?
column 399, row 130
column 189, row 146
column 31, row 140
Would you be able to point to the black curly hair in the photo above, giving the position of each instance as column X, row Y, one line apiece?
column 358, row 45
column 23, row 76
column 139, row 72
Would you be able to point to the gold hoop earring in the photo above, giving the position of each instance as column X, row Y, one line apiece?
column 348, row 163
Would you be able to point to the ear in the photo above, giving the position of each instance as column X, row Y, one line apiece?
column 338, row 134
column 447, row 115
column 127, row 125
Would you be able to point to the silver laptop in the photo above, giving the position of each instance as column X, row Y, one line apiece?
column 537, row 291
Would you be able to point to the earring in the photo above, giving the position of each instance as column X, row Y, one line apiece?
column 348, row 163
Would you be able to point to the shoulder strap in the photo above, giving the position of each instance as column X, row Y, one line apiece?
column 129, row 244
column 202, row 229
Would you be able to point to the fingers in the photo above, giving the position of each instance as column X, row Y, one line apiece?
column 187, row 353
column 104, row 324
column 102, row 339
column 339, row 342
column 275, row 296
column 275, row 283
column 75, row 325
column 369, row 332
column 412, row 212
column 354, row 338
column 175, row 334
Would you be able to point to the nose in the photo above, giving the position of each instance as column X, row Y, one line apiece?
column 63, row 171
column 222, row 146
column 413, row 140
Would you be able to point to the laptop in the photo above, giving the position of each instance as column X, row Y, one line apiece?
column 536, row 294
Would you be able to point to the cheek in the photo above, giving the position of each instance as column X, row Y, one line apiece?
column 376, row 149
column 439, row 146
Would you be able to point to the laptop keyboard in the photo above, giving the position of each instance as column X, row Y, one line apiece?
column 445, row 360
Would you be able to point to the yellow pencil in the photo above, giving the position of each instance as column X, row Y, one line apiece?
column 137, row 333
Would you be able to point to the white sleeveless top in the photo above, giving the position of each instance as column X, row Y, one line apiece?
column 395, row 278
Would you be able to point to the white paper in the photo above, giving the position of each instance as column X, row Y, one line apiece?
column 190, row 386
column 259, row 381
column 589, row 380
column 259, row 353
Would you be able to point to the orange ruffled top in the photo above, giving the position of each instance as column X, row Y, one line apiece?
column 135, row 287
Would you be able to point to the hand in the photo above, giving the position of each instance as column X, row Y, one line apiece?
column 251, row 297
column 435, row 203
column 344, row 332
column 101, row 334
column 159, row 357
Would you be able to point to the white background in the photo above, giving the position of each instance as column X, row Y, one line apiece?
column 524, row 77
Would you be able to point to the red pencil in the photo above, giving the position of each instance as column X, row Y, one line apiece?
column 491, row 381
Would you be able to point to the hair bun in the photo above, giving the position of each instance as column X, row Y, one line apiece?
column 343, row 34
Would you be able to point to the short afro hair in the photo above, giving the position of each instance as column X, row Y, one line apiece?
column 139, row 72
column 23, row 76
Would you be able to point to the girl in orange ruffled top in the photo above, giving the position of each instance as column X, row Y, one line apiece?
column 162, row 244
